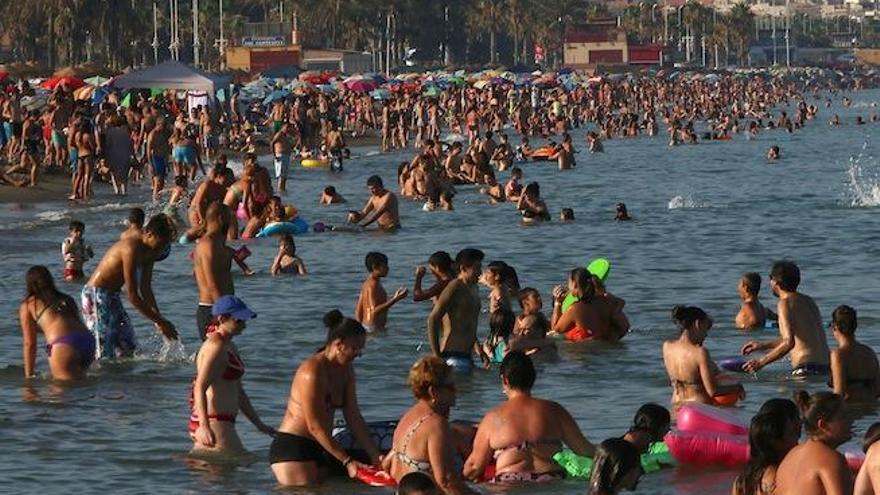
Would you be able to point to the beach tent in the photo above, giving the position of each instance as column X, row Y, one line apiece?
column 171, row 75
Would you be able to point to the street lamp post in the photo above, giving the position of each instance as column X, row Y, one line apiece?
column 196, row 42
column 773, row 24
column 155, row 43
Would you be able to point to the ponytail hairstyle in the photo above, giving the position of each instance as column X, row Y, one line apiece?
column 819, row 406
column 766, row 434
column 583, row 282
column 340, row 328
column 686, row 317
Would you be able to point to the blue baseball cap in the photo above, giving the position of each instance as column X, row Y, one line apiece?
column 232, row 306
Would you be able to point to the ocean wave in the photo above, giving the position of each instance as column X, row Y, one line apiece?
column 863, row 181
column 57, row 216
column 684, row 202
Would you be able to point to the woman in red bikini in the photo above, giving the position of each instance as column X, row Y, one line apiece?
column 217, row 392
column 592, row 316
column 70, row 346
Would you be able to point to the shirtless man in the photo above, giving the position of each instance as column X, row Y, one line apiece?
column 800, row 327
column 868, row 479
column 752, row 314
column 457, row 311
column 281, row 152
column 373, row 304
column 380, row 208
column 129, row 264
column 212, row 264
column 209, row 192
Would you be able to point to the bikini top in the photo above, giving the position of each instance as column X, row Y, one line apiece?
column 413, row 464
column 234, row 365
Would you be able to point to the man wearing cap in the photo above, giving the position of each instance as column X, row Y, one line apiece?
column 212, row 264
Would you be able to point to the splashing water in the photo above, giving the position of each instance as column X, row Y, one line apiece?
column 863, row 187
column 683, row 202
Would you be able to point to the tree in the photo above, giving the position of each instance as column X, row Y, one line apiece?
column 741, row 25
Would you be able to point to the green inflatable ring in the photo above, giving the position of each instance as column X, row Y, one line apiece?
column 599, row 267
column 577, row 467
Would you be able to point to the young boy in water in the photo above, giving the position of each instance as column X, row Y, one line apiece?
column 330, row 197
column 373, row 303
column 286, row 261
column 75, row 251
column 530, row 330
column 752, row 314
column 135, row 222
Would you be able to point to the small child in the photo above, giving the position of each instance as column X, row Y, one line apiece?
column 75, row 252
column 650, row 424
column 331, row 197
column 416, row 483
column 373, row 302
column 135, row 223
column 513, row 188
column 286, row 261
column 501, row 323
column 530, row 330
column 178, row 196
column 499, row 296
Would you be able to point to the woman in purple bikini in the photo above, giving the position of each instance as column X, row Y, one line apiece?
column 70, row 346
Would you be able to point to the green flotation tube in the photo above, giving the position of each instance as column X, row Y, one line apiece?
column 599, row 267
column 578, row 467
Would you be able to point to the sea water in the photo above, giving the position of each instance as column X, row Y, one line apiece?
column 702, row 215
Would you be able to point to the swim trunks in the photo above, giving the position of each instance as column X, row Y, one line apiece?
column 810, row 369
column 58, row 138
column 160, row 166
column 73, row 273
column 203, row 319
column 282, row 166
column 458, row 360
column 184, row 154
column 294, row 448
column 105, row 316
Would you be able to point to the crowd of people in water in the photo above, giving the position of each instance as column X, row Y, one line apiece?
column 429, row 454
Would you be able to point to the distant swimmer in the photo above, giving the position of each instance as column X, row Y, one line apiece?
column 835, row 120
column 621, row 214
column 752, row 314
column 373, row 302
column 329, row 196
column 774, row 153
column 566, row 215
column 287, row 261
column 800, row 327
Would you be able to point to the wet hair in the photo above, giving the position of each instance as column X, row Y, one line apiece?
column 781, row 407
column 288, row 239
column 217, row 169
column 527, row 292
column 416, row 482
column 330, row 190
column 752, row 282
column 583, row 280
column 766, row 433
column 653, row 419
column 845, row 319
column 428, row 372
column 519, row 370
column 567, row 214
column 532, row 189
column 468, row 257
column 222, row 212
column 614, row 458
column 872, row 434
column 136, row 217
column 516, row 171
column 341, row 328
column 39, row 284
column 497, row 268
column 77, row 225
column 374, row 181
column 687, row 316
column 816, row 407
column 786, row 274
column 442, row 261
column 160, row 226
column 180, row 181
column 375, row 259
column 228, row 174
column 501, row 323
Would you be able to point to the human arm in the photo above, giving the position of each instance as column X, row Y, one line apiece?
column 572, row 435
column 209, row 365
column 197, row 200
column 29, row 340
column 300, row 266
column 707, row 377
column 778, row 349
column 435, row 319
column 146, row 290
column 355, row 421
column 129, row 271
column 560, row 322
column 481, row 455
column 440, row 456
column 276, row 265
column 246, row 408
column 375, row 308
column 424, row 295
column 838, row 374
column 376, row 213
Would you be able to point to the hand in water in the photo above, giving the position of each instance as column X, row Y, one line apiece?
column 420, row 271
column 400, row 293
column 750, row 347
column 205, row 436
column 752, row 366
column 249, row 273
column 167, row 329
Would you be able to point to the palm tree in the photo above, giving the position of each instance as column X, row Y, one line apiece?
column 741, row 22
column 488, row 16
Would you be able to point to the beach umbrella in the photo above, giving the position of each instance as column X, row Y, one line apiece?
column 432, row 91
column 84, row 93
column 361, row 85
column 69, row 82
column 481, row 84
column 96, row 81
column 126, row 102
column 380, row 94
column 326, row 88
column 456, row 80
column 276, row 95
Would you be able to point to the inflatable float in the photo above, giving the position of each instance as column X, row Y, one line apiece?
column 296, row 227
column 733, row 363
column 543, row 153
column 600, row 267
column 578, row 467
column 315, row 163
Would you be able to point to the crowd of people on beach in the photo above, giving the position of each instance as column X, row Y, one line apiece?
column 428, row 454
